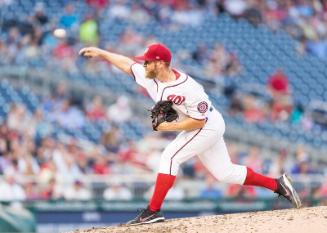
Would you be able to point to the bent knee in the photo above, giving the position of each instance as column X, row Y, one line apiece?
column 234, row 174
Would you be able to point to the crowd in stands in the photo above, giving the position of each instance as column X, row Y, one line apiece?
column 276, row 105
column 36, row 166
column 27, row 150
column 304, row 20
column 39, row 41
column 36, row 36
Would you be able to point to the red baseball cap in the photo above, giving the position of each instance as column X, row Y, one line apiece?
column 156, row 52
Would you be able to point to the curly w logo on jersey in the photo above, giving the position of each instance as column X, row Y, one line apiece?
column 176, row 99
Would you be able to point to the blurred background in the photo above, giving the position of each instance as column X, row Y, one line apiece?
column 76, row 145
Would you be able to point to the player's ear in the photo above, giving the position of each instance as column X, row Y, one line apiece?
column 164, row 64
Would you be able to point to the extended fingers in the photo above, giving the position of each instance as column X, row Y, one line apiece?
column 84, row 51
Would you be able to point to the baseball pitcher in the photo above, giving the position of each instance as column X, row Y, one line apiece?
column 182, row 105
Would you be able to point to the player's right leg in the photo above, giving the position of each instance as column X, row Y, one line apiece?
column 217, row 161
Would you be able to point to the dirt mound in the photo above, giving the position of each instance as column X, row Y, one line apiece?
column 305, row 220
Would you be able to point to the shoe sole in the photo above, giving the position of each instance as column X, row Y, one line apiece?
column 160, row 219
column 295, row 197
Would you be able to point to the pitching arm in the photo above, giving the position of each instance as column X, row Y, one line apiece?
column 120, row 61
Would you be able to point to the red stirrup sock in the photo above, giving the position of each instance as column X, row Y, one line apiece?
column 256, row 179
column 163, row 184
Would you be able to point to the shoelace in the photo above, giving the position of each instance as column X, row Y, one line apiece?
column 284, row 196
column 141, row 211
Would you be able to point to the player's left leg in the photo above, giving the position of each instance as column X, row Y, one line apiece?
column 185, row 146
column 217, row 161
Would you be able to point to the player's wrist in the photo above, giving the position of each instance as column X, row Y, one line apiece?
column 102, row 53
column 167, row 126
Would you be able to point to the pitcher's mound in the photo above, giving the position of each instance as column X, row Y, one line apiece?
column 305, row 220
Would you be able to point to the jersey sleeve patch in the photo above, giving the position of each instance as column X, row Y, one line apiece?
column 202, row 107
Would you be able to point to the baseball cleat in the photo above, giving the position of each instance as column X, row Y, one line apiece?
column 147, row 216
column 285, row 189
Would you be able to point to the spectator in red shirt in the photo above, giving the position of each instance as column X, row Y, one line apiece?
column 101, row 166
column 63, row 50
column 98, row 4
column 254, row 111
column 95, row 112
column 281, row 105
column 278, row 83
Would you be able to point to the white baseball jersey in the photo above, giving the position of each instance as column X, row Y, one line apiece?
column 187, row 95
column 190, row 100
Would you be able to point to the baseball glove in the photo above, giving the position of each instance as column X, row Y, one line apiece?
column 162, row 111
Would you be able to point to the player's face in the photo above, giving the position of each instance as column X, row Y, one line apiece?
column 151, row 69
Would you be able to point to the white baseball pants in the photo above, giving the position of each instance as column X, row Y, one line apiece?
column 209, row 145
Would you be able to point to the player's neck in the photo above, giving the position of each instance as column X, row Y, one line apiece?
column 166, row 76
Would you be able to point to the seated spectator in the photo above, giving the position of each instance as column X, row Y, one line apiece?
column 281, row 108
column 222, row 63
column 65, row 162
column 278, row 84
column 130, row 154
column 280, row 163
column 117, row 191
column 120, row 111
column 132, row 41
column 303, row 168
column 253, row 13
column 98, row 4
column 69, row 19
column 53, row 190
column 88, row 31
column 47, row 169
column 321, row 192
column 40, row 15
column 78, row 192
column 200, row 55
column 236, row 7
column 297, row 114
column 101, row 166
column 253, row 109
column 64, row 51
column 253, row 159
column 281, row 104
column 18, row 118
column 238, row 191
column 139, row 15
column 236, row 106
column 176, row 193
column 68, row 116
column 65, row 55
column 32, row 191
column 53, row 102
column 119, row 10
column 210, row 191
column 112, row 140
column 233, row 66
column 303, row 164
column 317, row 47
column 95, row 111
column 11, row 190
column 264, row 193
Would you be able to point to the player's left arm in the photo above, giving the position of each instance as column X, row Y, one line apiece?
column 187, row 124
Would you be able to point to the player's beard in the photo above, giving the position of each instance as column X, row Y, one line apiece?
column 152, row 74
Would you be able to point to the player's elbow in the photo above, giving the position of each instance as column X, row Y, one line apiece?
column 202, row 123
